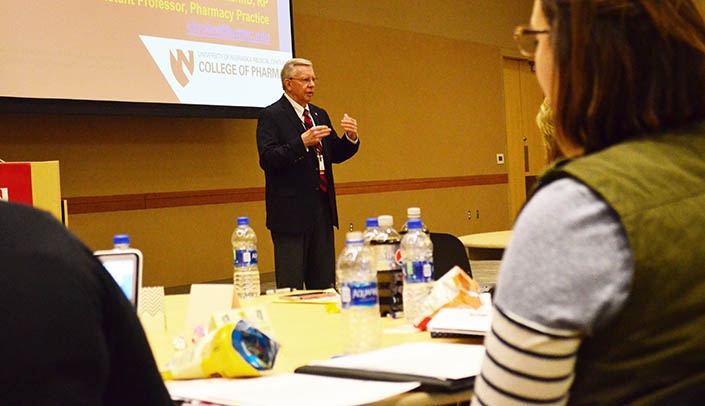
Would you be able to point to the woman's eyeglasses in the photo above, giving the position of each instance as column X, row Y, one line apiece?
column 527, row 42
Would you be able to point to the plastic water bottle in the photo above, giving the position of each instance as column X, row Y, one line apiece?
column 121, row 241
column 385, row 246
column 412, row 213
column 246, row 272
column 417, row 262
column 371, row 229
column 358, row 296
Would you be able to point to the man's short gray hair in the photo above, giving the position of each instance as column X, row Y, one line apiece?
column 289, row 66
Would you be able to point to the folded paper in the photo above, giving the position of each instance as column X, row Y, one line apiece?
column 150, row 308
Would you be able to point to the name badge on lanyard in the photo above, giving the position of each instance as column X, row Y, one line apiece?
column 321, row 165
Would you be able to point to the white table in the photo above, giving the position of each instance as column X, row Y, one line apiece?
column 307, row 333
column 486, row 246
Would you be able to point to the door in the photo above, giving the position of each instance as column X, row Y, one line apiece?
column 526, row 155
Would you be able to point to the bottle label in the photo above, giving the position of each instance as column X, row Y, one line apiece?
column 385, row 256
column 245, row 258
column 418, row 271
column 358, row 294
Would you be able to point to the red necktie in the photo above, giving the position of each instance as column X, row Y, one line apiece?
column 323, row 182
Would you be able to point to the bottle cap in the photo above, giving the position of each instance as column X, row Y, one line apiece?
column 120, row 239
column 385, row 220
column 415, row 224
column 372, row 222
column 353, row 236
column 243, row 221
column 413, row 212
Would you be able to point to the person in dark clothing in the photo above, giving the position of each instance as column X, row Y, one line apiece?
column 70, row 336
column 297, row 147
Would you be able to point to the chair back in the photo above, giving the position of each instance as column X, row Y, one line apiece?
column 448, row 251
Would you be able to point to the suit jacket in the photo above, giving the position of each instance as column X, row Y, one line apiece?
column 291, row 172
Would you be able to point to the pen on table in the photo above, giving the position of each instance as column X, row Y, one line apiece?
column 311, row 295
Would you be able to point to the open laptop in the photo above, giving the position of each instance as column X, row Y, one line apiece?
column 125, row 266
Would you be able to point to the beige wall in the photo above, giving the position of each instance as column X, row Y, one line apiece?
column 489, row 22
column 424, row 79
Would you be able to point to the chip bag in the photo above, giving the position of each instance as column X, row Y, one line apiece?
column 233, row 350
column 454, row 289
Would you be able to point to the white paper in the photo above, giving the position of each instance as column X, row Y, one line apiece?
column 287, row 389
column 464, row 320
column 206, row 299
column 460, row 320
column 436, row 360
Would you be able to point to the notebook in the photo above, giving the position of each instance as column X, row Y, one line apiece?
column 459, row 322
column 435, row 365
column 462, row 321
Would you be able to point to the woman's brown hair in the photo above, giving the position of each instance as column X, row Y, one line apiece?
column 624, row 68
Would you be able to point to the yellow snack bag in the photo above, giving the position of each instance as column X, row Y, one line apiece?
column 231, row 351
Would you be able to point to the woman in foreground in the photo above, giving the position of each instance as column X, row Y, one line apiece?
column 601, row 292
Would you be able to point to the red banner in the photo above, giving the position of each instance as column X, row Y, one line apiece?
column 16, row 180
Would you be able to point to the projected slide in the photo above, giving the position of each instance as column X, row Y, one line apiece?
column 210, row 52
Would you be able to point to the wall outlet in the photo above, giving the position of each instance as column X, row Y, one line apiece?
column 500, row 159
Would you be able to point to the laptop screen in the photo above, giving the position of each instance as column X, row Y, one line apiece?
column 125, row 269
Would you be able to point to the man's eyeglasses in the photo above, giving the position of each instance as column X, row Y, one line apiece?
column 305, row 81
column 525, row 37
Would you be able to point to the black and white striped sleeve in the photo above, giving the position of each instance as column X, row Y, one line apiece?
column 525, row 364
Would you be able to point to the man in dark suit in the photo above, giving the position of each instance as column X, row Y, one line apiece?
column 297, row 147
